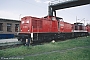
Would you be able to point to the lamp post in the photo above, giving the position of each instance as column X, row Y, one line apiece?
column 19, row 24
column 20, row 16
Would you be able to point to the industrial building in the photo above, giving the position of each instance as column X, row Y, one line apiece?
column 8, row 28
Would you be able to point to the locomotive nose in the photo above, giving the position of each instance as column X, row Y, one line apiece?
column 25, row 25
column 25, row 28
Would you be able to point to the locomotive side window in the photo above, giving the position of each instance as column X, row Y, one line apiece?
column 1, row 26
column 9, row 26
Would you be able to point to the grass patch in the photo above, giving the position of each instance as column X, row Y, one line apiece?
column 77, row 54
column 23, row 50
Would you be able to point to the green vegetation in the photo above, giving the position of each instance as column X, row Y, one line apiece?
column 76, row 54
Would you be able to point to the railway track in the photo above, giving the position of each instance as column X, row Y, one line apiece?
column 9, row 45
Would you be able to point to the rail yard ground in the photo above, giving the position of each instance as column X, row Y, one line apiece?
column 8, row 40
column 71, row 49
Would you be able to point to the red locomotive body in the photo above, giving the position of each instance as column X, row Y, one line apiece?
column 44, row 25
column 48, row 28
column 65, row 27
column 88, row 28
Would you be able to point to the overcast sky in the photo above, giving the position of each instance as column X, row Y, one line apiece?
column 16, row 9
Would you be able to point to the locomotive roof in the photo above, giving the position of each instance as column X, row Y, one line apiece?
column 56, row 17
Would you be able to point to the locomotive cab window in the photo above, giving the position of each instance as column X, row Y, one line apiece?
column 79, row 26
column 76, row 27
column 1, row 26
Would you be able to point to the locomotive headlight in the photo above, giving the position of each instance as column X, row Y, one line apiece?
column 22, row 22
column 28, row 30
column 21, row 30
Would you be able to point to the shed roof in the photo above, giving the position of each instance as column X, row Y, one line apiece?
column 1, row 19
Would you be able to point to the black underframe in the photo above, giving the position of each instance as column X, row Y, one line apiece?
column 46, row 37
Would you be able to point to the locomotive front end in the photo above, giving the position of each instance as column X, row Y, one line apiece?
column 25, row 25
column 25, row 30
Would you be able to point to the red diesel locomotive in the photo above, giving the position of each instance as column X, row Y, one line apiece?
column 49, row 28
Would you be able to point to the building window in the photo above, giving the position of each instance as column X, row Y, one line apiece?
column 1, row 26
column 16, row 27
column 9, row 27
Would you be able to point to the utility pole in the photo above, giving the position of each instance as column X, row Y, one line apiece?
column 19, row 25
column 76, row 19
